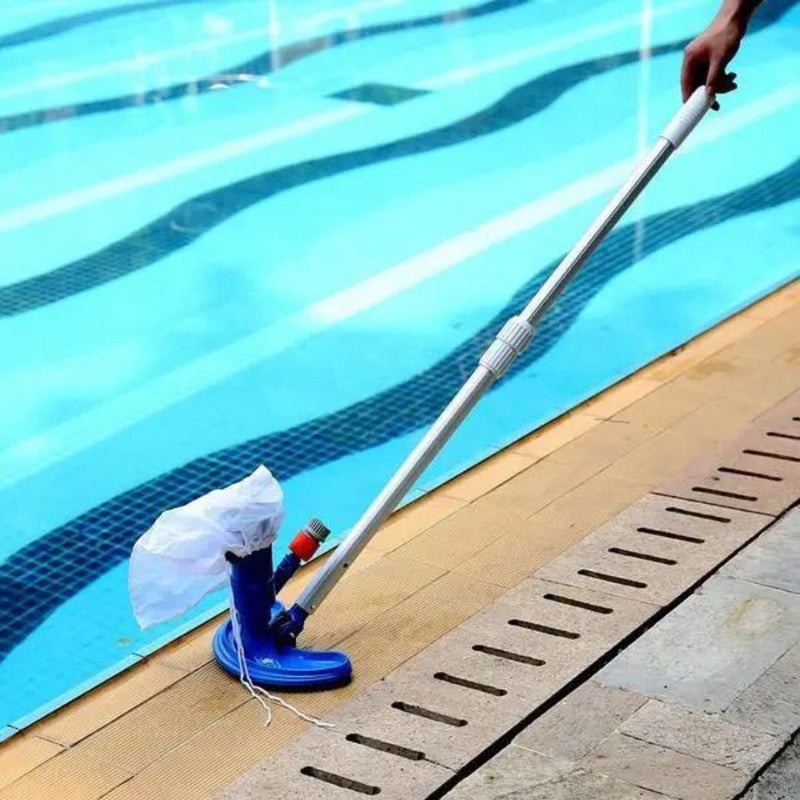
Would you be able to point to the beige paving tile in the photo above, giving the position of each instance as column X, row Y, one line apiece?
column 729, row 376
column 365, row 594
column 576, row 725
column 602, row 446
column 661, row 457
column 165, row 721
column 555, row 435
column 663, row 770
column 70, row 775
column 303, row 767
column 664, row 406
column 704, row 736
column 214, row 757
column 460, row 536
column 405, row 524
column 107, row 703
column 191, row 651
column 432, row 612
column 492, row 473
column 532, row 490
column 589, row 505
column 516, row 556
column 620, row 396
column 721, row 418
column 20, row 755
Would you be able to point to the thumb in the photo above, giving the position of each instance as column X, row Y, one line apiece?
column 715, row 73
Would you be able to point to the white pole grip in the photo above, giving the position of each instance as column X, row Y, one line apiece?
column 692, row 111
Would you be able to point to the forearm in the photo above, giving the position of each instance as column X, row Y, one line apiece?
column 736, row 12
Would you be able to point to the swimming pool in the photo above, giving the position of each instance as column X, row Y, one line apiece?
column 236, row 232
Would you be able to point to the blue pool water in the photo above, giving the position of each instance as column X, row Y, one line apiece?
column 243, row 232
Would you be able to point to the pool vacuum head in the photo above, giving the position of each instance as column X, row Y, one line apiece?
column 269, row 659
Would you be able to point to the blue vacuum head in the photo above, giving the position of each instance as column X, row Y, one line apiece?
column 283, row 666
column 271, row 662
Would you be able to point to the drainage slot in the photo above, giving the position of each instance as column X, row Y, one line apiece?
column 765, row 454
column 679, row 537
column 534, row 626
column 719, row 493
column 777, row 435
column 478, row 687
column 508, row 655
column 748, row 474
column 426, row 713
column 340, row 781
column 687, row 513
column 643, row 556
column 385, row 747
column 568, row 601
column 601, row 576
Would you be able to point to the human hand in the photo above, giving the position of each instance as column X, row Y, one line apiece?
column 706, row 57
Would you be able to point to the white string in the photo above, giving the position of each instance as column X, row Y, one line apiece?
column 260, row 694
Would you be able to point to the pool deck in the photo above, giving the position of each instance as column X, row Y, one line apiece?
column 177, row 727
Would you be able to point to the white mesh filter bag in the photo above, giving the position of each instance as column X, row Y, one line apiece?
column 182, row 557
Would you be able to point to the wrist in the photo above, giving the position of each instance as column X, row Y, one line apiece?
column 735, row 15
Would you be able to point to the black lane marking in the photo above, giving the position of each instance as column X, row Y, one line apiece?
column 55, row 27
column 240, row 74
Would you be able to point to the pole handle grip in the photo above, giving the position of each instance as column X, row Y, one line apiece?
column 684, row 122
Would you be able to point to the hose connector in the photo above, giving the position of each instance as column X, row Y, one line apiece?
column 308, row 540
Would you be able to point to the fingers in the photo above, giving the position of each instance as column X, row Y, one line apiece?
column 727, row 83
column 692, row 71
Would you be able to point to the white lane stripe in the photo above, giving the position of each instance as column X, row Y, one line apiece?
column 555, row 45
column 62, row 441
column 135, row 64
column 80, row 198
column 65, row 203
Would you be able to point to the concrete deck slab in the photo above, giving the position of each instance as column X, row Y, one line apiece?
column 712, row 647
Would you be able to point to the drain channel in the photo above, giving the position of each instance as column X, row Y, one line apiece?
column 642, row 556
column 466, row 684
column 720, row 493
column 535, row 626
column 778, row 435
column 601, row 576
column 680, row 537
column 426, row 713
column 686, row 512
column 748, row 474
column 340, row 781
column 385, row 747
column 508, row 655
column 568, row 601
column 767, row 454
